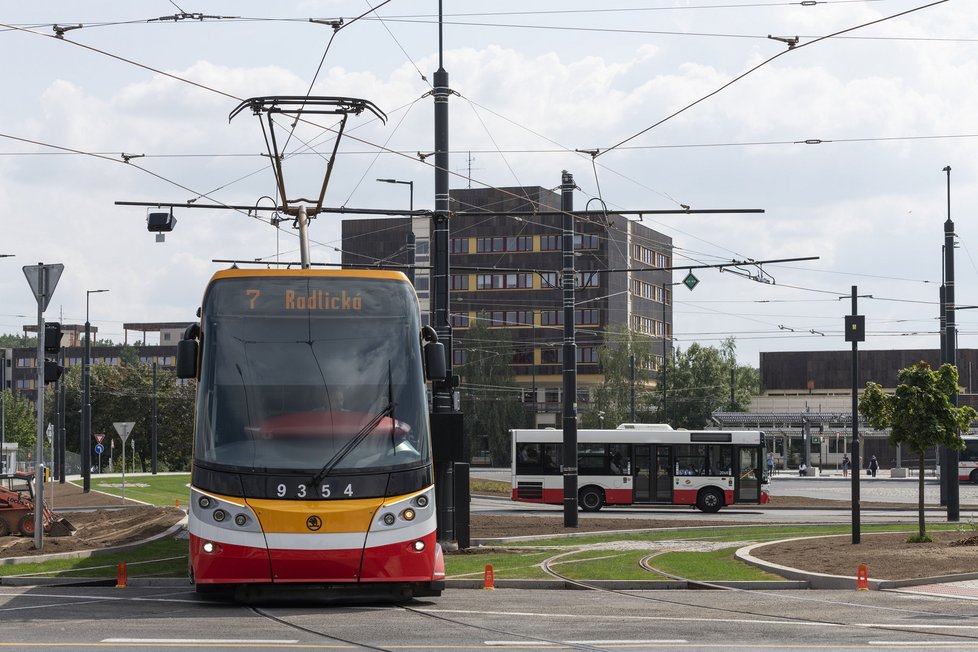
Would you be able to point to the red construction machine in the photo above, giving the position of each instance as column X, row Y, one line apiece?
column 17, row 509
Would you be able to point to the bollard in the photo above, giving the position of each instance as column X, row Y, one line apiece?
column 121, row 580
column 178, row 503
column 489, row 580
column 862, row 578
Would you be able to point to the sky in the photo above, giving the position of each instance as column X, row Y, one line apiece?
column 842, row 141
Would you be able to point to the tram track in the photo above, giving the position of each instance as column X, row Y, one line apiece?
column 531, row 640
column 546, row 565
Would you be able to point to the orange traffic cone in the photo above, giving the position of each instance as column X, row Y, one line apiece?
column 121, row 581
column 489, row 580
column 862, row 578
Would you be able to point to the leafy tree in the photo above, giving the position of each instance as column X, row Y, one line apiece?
column 614, row 397
column 697, row 383
column 491, row 399
column 20, row 423
column 125, row 393
column 920, row 415
column 8, row 341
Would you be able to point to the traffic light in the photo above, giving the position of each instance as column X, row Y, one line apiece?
column 52, row 371
column 52, row 337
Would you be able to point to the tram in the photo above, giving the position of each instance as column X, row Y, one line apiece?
column 643, row 464
column 312, row 463
column 968, row 460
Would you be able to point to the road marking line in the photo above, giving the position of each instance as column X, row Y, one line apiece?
column 199, row 641
column 648, row 641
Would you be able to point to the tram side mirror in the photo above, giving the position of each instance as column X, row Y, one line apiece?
column 187, row 351
column 435, row 367
column 434, row 361
column 187, row 359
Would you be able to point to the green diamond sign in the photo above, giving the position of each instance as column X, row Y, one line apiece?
column 690, row 281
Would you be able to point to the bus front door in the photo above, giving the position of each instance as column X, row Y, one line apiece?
column 748, row 486
column 642, row 475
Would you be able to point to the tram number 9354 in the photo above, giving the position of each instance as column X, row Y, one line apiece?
column 302, row 490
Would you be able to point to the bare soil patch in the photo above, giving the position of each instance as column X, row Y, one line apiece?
column 887, row 556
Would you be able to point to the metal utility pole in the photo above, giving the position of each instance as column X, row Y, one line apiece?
column 450, row 450
column 949, row 457
column 153, row 432
column 85, row 447
column 42, row 279
column 855, row 332
column 570, row 353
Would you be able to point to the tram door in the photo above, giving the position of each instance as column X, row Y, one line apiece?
column 652, row 475
column 748, row 486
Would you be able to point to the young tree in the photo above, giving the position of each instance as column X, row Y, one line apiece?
column 614, row 397
column 697, row 383
column 920, row 415
column 20, row 424
column 491, row 399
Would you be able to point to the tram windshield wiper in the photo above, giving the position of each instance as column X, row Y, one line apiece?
column 353, row 443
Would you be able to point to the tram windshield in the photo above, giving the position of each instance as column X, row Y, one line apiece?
column 301, row 373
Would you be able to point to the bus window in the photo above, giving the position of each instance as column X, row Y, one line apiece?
column 592, row 459
column 550, row 457
column 691, row 459
column 621, row 463
column 721, row 460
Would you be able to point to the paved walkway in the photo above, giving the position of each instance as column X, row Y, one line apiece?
column 966, row 590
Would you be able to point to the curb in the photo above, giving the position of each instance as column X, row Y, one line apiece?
column 836, row 582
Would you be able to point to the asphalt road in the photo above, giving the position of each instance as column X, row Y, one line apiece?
column 139, row 619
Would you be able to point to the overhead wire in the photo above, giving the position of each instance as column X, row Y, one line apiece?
column 751, row 70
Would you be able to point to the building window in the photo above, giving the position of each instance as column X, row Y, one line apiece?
column 549, row 356
column 550, row 242
column 587, row 279
column 501, row 244
column 511, row 281
column 459, row 356
column 585, row 241
column 460, row 320
column 524, row 356
column 421, row 247
column 549, row 280
column 460, row 245
column 551, row 395
column 460, row 281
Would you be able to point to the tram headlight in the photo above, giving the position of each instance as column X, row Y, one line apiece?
column 220, row 515
column 408, row 514
column 208, row 547
column 422, row 501
column 389, row 519
column 419, row 545
column 240, row 520
column 205, row 502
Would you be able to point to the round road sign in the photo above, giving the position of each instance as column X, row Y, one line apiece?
column 99, row 449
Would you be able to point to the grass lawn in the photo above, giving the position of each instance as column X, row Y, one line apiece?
column 160, row 490
column 165, row 558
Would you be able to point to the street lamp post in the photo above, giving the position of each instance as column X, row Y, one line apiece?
column 86, row 434
column 411, row 237
column 410, row 184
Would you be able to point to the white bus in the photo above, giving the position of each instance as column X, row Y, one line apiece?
column 968, row 461
column 643, row 464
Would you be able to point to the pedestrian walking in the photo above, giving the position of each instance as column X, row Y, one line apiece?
column 770, row 464
column 874, row 466
column 845, row 465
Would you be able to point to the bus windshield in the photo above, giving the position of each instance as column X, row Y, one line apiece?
column 295, row 368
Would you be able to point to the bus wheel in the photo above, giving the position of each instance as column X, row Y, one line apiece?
column 974, row 477
column 591, row 499
column 709, row 500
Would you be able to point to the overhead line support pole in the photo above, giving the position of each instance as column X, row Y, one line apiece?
column 569, row 467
